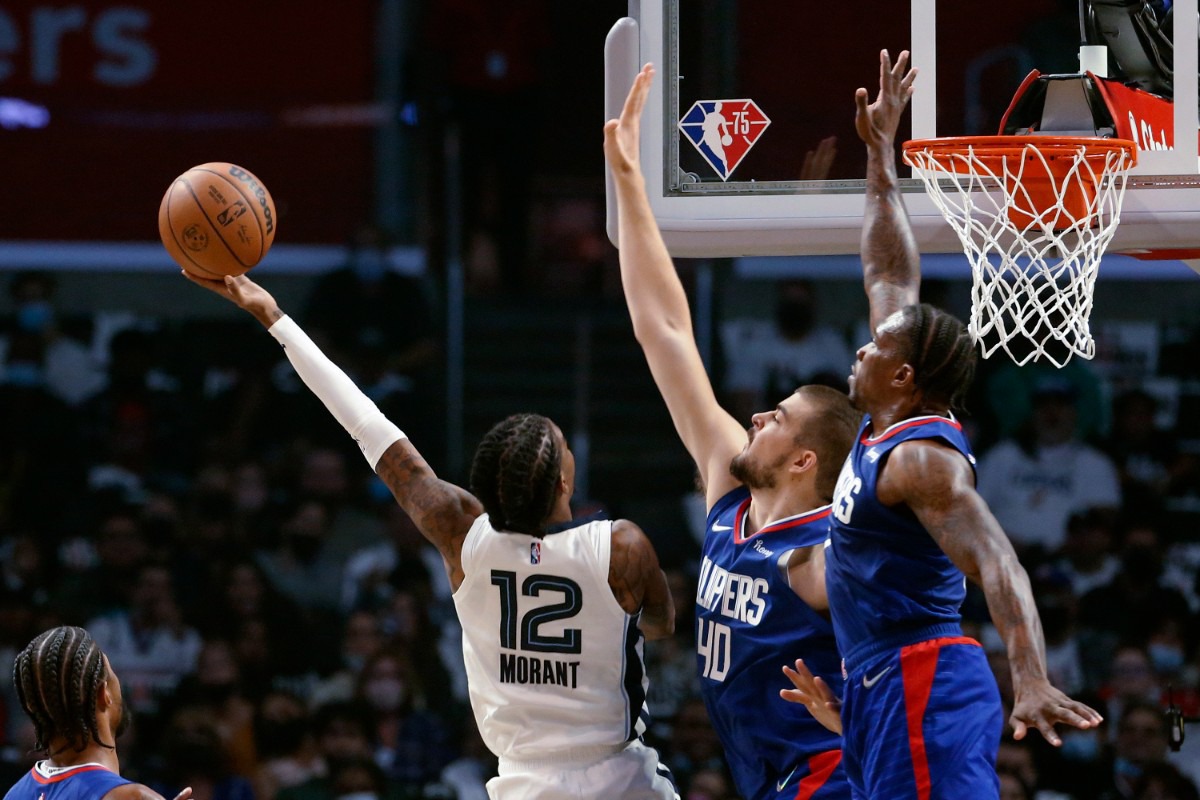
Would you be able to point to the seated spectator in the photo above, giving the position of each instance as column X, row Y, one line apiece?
column 362, row 638
column 1147, row 458
column 65, row 363
column 773, row 358
column 304, row 567
column 1164, row 782
column 1035, row 481
column 1141, row 746
column 148, row 643
column 193, row 755
column 215, row 690
column 410, row 744
column 342, row 738
column 287, row 750
column 1087, row 557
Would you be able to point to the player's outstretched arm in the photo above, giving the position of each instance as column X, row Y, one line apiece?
column 658, row 305
column 812, row 692
column 442, row 511
column 638, row 582
column 937, row 484
column 891, row 262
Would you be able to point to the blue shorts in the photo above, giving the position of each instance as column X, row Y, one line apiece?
column 821, row 777
column 923, row 723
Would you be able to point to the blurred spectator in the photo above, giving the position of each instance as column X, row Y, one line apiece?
column 377, row 323
column 1131, row 683
column 362, row 638
column 193, row 755
column 97, row 581
column 774, row 358
column 1141, row 745
column 287, row 751
column 1013, row 786
column 215, row 690
column 1034, row 482
column 1164, row 782
column 489, row 55
column 40, row 457
column 1016, row 759
column 1012, row 392
column 1087, row 557
column 64, row 364
column 411, row 745
column 711, row 783
column 342, row 739
column 137, row 429
column 467, row 775
column 304, row 567
column 148, row 643
column 693, row 746
column 1147, row 458
column 1057, row 607
column 1137, row 598
column 400, row 557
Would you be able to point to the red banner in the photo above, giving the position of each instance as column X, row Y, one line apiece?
column 103, row 103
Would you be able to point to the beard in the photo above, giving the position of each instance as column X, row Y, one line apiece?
column 749, row 474
column 124, row 722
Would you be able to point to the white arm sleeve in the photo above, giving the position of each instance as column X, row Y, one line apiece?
column 361, row 418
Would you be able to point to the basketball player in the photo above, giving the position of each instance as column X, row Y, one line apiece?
column 768, row 493
column 70, row 692
column 552, row 613
column 920, row 707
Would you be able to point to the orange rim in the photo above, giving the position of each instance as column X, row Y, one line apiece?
column 991, row 149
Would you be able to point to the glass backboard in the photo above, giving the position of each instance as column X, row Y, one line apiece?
column 784, row 74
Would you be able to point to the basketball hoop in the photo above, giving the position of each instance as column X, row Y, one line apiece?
column 1034, row 215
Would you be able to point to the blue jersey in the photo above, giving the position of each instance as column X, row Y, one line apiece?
column 889, row 582
column 83, row 782
column 751, row 623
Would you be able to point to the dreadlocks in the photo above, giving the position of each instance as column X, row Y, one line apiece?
column 515, row 472
column 941, row 353
column 57, row 677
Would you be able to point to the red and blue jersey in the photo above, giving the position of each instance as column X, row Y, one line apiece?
column 889, row 583
column 749, row 624
column 82, row 782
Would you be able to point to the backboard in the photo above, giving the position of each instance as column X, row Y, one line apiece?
column 785, row 75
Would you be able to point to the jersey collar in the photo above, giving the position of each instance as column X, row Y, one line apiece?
column 905, row 424
column 741, row 520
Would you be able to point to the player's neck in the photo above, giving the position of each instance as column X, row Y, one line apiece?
column 66, row 756
column 769, row 505
column 895, row 410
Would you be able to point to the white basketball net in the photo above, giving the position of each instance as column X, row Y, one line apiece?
column 1033, row 276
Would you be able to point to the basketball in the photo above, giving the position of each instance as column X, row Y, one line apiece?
column 217, row 219
column 727, row 140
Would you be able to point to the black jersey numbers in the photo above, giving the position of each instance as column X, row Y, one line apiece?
column 530, row 623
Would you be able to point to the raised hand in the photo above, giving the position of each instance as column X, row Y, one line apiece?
column 621, row 146
column 814, row 694
column 877, row 122
column 244, row 293
column 819, row 160
column 1043, row 707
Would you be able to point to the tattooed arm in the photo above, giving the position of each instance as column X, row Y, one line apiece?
column 891, row 262
column 638, row 582
column 442, row 511
column 938, row 485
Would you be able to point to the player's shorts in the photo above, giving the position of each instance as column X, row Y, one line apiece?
column 923, row 723
column 632, row 773
column 821, row 777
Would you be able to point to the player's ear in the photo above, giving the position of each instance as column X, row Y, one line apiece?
column 806, row 460
column 905, row 375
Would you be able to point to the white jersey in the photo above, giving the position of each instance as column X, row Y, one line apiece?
column 554, row 664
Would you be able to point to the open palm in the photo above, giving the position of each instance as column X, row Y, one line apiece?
column 621, row 146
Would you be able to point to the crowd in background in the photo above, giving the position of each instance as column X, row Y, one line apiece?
column 283, row 632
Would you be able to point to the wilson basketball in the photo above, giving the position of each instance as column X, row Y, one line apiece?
column 217, row 219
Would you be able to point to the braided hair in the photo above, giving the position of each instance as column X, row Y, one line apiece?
column 941, row 352
column 58, row 677
column 515, row 472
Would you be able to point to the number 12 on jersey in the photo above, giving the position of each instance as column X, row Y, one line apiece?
column 712, row 643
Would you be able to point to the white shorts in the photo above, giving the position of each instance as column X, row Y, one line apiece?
column 633, row 773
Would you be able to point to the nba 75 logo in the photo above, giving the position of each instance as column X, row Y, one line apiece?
column 723, row 131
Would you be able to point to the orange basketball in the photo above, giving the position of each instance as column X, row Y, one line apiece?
column 217, row 219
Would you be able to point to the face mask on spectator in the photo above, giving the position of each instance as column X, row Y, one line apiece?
column 35, row 316
column 1165, row 658
column 385, row 694
column 1080, row 746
